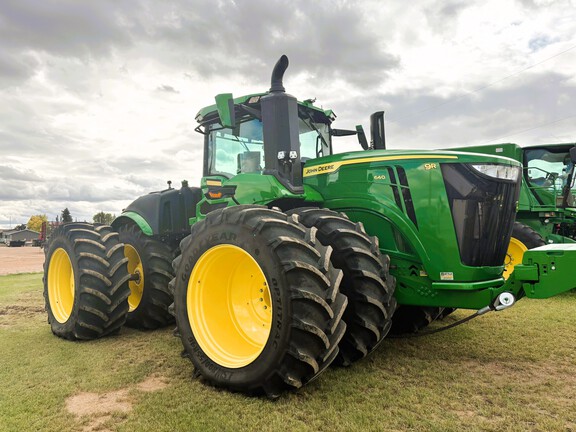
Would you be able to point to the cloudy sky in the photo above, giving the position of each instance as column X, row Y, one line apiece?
column 98, row 97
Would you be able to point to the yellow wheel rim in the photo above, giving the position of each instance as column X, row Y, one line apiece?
column 229, row 306
column 60, row 285
column 136, row 286
column 514, row 256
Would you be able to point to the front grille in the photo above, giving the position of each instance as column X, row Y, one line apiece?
column 483, row 210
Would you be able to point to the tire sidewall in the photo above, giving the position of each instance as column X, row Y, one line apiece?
column 241, row 236
column 527, row 236
column 133, row 237
column 63, row 329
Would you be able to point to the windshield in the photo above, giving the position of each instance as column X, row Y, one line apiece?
column 547, row 172
column 314, row 139
column 235, row 151
column 241, row 150
column 547, row 168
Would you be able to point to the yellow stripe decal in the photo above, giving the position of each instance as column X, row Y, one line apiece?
column 213, row 182
column 335, row 166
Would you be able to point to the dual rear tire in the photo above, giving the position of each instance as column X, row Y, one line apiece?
column 150, row 260
column 85, row 282
column 96, row 280
column 257, row 301
column 366, row 281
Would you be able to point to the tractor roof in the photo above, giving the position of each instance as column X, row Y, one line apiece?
column 255, row 99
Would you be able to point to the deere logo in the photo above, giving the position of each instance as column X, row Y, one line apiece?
column 320, row 169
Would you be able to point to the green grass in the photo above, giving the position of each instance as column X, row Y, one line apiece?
column 508, row 371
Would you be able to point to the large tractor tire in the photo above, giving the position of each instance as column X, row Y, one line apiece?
column 256, row 301
column 85, row 281
column 412, row 319
column 367, row 282
column 151, row 261
column 523, row 238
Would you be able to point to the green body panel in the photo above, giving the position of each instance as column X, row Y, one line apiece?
column 424, row 253
column 137, row 219
column 363, row 191
column 251, row 189
column 259, row 189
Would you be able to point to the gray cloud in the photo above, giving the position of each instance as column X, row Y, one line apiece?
column 82, row 82
column 249, row 35
column 483, row 116
column 66, row 28
column 442, row 15
column 167, row 89
column 9, row 173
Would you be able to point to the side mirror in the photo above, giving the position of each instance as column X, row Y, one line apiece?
column 573, row 155
column 362, row 137
column 225, row 106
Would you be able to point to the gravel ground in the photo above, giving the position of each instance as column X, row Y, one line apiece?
column 25, row 259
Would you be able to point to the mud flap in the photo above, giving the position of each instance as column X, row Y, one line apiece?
column 547, row 271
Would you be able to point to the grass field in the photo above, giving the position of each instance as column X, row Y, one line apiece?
column 508, row 371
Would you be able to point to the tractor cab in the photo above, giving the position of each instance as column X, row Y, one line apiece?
column 236, row 149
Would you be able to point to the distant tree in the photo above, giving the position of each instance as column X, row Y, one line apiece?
column 20, row 227
column 103, row 218
column 35, row 222
column 66, row 216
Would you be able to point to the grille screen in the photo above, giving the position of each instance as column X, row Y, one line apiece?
column 483, row 210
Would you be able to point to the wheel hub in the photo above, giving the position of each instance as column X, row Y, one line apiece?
column 229, row 306
column 61, row 286
column 136, row 269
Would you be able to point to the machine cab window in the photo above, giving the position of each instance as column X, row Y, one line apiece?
column 548, row 169
column 236, row 151
column 241, row 150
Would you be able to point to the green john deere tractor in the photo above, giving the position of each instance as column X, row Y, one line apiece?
column 547, row 202
column 288, row 257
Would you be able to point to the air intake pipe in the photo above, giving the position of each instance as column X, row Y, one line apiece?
column 280, row 131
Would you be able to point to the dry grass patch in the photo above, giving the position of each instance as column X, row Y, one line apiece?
column 509, row 371
column 96, row 410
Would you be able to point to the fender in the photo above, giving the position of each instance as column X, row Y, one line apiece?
column 135, row 218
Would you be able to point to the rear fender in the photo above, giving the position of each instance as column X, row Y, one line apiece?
column 131, row 217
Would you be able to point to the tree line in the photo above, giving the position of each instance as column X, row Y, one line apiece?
column 35, row 222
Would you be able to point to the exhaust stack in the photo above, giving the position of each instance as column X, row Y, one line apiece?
column 278, row 74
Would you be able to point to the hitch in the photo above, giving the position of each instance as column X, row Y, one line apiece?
column 503, row 301
column 545, row 271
